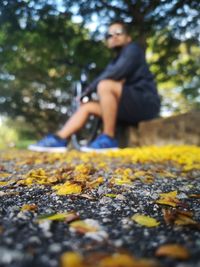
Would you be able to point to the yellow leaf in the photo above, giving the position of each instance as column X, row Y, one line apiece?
column 173, row 251
column 122, row 181
column 111, row 195
column 3, row 183
column 117, row 260
column 125, row 260
column 68, row 188
column 171, row 194
column 138, row 174
column 67, row 216
column 4, row 175
column 71, row 259
column 145, row 220
column 166, row 202
column 29, row 207
column 168, row 199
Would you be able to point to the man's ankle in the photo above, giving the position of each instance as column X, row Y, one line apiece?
column 59, row 137
column 109, row 135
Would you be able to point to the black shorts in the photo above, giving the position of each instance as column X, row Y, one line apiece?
column 137, row 105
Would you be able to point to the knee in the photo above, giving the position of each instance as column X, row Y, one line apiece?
column 104, row 86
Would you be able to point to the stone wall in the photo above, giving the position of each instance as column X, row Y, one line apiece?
column 179, row 129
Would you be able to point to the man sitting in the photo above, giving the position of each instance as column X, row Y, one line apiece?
column 126, row 92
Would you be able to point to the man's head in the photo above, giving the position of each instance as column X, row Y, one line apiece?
column 117, row 35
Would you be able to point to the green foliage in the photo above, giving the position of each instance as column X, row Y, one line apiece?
column 42, row 51
column 41, row 58
column 178, row 74
column 8, row 135
column 162, row 27
column 16, row 133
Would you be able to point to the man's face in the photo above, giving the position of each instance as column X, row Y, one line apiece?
column 117, row 37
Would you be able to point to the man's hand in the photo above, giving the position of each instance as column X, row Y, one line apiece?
column 84, row 94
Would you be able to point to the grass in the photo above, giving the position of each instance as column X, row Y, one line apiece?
column 19, row 144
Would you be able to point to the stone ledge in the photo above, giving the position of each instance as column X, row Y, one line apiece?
column 180, row 129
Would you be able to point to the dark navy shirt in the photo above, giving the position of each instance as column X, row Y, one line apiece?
column 130, row 64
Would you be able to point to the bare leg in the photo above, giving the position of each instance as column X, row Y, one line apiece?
column 79, row 118
column 109, row 92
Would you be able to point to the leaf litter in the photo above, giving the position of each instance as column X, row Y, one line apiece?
column 133, row 207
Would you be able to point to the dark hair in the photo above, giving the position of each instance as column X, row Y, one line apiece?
column 124, row 25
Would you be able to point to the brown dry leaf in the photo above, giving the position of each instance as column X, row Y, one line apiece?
column 148, row 179
column 168, row 199
column 87, row 196
column 1, row 229
column 179, row 217
column 185, row 220
column 95, row 183
column 29, row 207
column 84, row 226
column 169, row 215
column 72, row 216
column 173, row 251
column 194, row 195
column 2, row 168
column 145, row 220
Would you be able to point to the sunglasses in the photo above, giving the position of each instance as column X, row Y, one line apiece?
column 115, row 33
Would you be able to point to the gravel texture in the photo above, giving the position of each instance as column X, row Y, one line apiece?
column 109, row 206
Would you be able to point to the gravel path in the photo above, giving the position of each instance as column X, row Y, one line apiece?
column 96, row 199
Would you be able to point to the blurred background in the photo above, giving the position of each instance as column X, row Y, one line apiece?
column 44, row 44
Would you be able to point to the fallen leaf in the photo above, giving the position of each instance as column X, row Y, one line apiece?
column 179, row 217
column 67, row 216
column 85, row 226
column 145, row 220
column 111, row 195
column 71, row 259
column 3, row 183
column 168, row 199
column 87, row 196
column 95, row 183
column 72, row 216
column 2, row 168
column 185, row 220
column 4, row 175
column 125, row 260
column 173, row 251
column 29, row 207
column 194, row 195
column 1, row 229
column 68, row 188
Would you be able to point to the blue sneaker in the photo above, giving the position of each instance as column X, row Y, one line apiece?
column 49, row 143
column 101, row 144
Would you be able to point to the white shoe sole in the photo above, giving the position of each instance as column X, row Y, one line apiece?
column 47, row 149
column 100, row 150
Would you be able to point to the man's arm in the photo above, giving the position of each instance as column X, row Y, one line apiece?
column 126, row 63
